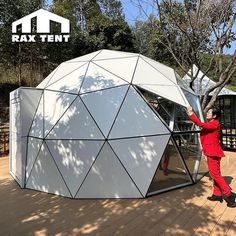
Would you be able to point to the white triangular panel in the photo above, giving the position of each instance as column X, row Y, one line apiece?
column 146, row 74
column 163, row 69
column 18, row 157
column 45, row 175
column 56, row 104
column 136, row 118
column 74, row 158
column 70, row 83
column 194, row 102
column 108, row 179
column 76, row 123
column 98, row 103
column 15, row 122
column 30, row 100
column 202, row 83
column 171, row 93
column 183, row 84
column 184, row 97
column 108, row 54
column 85, row 58
column 140, row 157
column 33, row 148
column 45, row 82
column 36, row 129
column 96, row 79
column 123, row 68
column 63, row 70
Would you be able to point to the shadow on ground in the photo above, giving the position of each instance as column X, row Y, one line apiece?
column 179, row 212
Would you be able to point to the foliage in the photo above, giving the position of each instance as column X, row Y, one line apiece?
column 184, row 33
column 94, row 25
column 110, row 34
column 193, row 29
column 147, row 37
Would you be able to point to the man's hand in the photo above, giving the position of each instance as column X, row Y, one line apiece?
column 190, row 111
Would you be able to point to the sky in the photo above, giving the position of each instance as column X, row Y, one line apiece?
column 133, row 12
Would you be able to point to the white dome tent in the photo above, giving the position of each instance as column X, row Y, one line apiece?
column 101, row 126
column 200, row 87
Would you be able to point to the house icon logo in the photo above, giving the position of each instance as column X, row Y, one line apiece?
column 43, row 19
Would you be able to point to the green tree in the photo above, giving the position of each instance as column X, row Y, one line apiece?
column 95, row 25
column 14, row 55
column 200, row 27
column 192, row 30
column 111, row 8
column 147, row 40
column 110, row 33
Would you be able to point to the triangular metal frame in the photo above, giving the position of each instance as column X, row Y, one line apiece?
column 105, row 139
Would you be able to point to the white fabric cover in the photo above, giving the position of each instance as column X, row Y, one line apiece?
column 119, row 67
column 107, row 178
column 45, row 82
column 76, row 123
column 30, row 100
column 70, row 83
column 64, row 70
column 135, row 118
column 168, row 72
column 200, row 89
column 147, row 74
column 32, row 152
column 98, row 103
column 140, row 157
column 45, row 175
column 97, row 78
column 37, row 128
column 74, row 159
column 59, row 103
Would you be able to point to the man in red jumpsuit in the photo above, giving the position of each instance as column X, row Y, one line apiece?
column 209, row 136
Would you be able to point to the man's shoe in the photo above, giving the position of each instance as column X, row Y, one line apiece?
column 215, row 198
column 230, row 200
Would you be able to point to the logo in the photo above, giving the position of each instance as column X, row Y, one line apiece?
column 43, row 19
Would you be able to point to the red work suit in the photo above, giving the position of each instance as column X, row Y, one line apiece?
column 210, row 140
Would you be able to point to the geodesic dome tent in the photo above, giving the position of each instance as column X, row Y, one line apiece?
column 202, row 83
column 105, row 125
